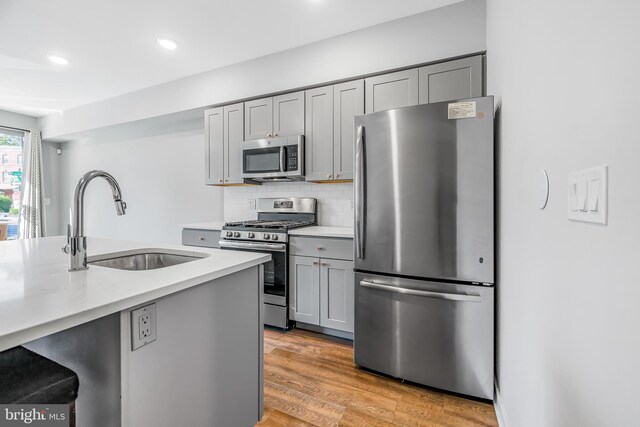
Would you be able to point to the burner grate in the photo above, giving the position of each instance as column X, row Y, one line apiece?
column 276, row 225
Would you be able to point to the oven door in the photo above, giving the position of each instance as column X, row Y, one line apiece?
column 275, row 271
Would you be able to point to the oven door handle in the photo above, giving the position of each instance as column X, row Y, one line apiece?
column 273, row 247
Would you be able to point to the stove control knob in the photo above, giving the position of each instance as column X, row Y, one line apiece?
column 274, row 237
column 251, row 235
column 229, row 234
column 266, row 236
column 236, row 234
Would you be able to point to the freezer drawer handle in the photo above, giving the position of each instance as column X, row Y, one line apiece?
column 428, row 294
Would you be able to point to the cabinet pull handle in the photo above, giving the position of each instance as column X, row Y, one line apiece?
column 219, row 180
column 320, row 248
column 315, row 262
column 200, row 238
column 275, row 134
column 337, row 175
column 325, row 264
column 329, row 176
column 268, row 135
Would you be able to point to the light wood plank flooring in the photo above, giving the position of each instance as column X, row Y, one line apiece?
column 311, row 381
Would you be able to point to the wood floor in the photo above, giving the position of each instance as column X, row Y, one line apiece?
column 311, row 381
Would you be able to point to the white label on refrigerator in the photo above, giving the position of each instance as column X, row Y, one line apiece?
column 462, row 110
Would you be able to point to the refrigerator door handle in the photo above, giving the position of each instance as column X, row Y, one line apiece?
column 360, row 194
column 419, row 293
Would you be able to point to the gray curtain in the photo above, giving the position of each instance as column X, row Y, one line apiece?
column 32, row 215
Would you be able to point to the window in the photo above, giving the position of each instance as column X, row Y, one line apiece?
column 11, row 184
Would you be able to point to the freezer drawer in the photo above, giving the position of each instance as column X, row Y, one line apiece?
column 431, row 333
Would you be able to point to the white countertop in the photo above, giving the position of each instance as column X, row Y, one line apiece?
column 38, row 296
column 323, row 231
column 213, row 225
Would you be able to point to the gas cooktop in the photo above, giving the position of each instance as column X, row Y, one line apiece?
column 266, row 224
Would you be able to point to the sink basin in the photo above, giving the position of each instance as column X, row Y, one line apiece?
column 146, row 260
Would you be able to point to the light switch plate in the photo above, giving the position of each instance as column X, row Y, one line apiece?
column 587, row 195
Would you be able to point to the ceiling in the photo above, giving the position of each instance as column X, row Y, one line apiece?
column 112, row 49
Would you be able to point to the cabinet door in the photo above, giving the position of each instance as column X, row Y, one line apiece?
column 459, row 79
column 348, row 102
column 214, row 146
column 288, row 114
column 304, row 289
column 392, row 90
column 318, row 148
column 258, row 119
column 233, row 137
column 336, row 294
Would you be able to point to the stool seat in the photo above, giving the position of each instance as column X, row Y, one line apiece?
column 27, row 377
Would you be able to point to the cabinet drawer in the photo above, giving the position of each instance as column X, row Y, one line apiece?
column 322, row 247
column 206, row 238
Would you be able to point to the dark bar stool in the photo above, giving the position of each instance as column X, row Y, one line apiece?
column 26, row 377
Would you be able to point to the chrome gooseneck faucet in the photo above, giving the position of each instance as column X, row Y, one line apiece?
column 76, row 245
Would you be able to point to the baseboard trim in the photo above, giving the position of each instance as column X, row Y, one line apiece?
column 501, row 414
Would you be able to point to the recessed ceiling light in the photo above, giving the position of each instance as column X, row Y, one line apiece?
column 59, row 60
column 167, row 43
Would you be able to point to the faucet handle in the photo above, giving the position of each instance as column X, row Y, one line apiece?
column 65, row 248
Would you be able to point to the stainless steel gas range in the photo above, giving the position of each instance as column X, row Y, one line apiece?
column 268, row 234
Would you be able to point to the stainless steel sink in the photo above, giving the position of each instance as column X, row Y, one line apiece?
column 146, row 260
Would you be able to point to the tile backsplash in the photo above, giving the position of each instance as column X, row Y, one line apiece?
column 335, row 201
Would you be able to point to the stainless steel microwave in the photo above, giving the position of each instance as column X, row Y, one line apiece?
column 273, row 159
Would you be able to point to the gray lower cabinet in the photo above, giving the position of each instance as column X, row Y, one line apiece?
column 282, row 115
column 458, row 79
column 393, row 90
column 214, row 146
column 304, row 289
column 223, row 144
column 337, row 294
column 321, row 292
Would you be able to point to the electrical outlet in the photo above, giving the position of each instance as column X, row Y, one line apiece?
column 143, row 326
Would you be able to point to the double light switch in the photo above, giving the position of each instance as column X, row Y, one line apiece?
column 588, row 195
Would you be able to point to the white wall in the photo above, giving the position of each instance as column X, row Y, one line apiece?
column 160, row 172
column 566, row 74
column 454, row 30
column 20, row 121
column 335, row 201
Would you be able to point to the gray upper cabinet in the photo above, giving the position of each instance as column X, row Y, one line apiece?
column 319, row 144
column 282, row 115
column 304, row 289
column 337, row 294
column 348, row 102
column 258, row 119
column 214, row 146
column 233, row 137
column 392, row 90
column 288, row 114
column 458, row 79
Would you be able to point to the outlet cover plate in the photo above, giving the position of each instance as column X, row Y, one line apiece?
column 143, row 326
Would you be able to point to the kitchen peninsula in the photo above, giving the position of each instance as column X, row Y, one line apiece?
column 207, row 326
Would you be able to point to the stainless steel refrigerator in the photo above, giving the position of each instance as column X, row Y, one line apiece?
column 424, row 244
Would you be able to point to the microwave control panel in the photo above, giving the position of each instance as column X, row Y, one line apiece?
column 292, row 158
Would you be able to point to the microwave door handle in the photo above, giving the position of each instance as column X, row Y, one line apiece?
column 283, row 158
